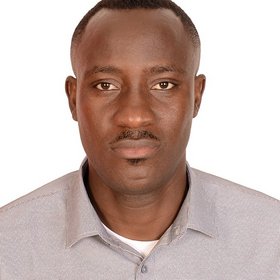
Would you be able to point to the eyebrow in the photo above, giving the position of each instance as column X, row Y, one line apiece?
column 159, row 69
column 154, row 70
column 109, row 69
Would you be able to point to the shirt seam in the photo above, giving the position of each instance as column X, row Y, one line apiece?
column 31, row 199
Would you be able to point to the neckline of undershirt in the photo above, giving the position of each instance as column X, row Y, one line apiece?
column 143, row 247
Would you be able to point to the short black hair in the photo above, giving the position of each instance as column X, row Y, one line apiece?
column 137, row 4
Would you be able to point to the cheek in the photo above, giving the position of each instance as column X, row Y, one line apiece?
column 179, row 115
column 179, row 126
column 92, row 123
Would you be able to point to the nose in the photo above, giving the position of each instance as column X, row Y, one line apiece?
column 134, row 110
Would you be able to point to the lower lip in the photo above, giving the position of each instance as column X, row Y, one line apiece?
column 136, row 153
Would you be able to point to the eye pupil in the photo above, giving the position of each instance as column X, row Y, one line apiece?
column 105, row 85
column 163, row 85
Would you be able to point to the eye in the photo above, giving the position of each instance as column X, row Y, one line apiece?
column 106, row 86
column 163, row 86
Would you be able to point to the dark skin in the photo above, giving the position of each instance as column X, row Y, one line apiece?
column 135, row 94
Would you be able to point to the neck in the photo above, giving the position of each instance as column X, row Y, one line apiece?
column 143, row 216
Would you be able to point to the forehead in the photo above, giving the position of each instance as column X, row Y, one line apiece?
column 134, row 20
column 138, row 36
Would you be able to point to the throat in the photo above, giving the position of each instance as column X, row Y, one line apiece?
column 138, row 216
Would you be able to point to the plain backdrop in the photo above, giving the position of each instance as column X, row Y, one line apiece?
column 235, row 136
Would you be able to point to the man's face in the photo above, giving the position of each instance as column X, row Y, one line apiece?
column 134, row 97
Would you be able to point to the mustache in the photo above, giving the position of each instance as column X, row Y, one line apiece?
column 135, row 135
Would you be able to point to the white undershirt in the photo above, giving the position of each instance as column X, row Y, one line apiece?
column 143, row 247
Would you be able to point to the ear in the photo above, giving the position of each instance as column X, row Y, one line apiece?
column 199, row 87
column 71, row 91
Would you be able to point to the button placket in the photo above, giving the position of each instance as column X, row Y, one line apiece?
column 146, row 269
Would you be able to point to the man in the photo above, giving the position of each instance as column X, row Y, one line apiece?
column 135, row 210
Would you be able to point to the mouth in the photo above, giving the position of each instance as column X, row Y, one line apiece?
column 136, row 149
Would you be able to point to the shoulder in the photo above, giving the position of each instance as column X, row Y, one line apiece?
column 34, row 224
column 226, row 188
column 239, row 205
column 47, row 196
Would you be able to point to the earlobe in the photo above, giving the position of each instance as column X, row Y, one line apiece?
column 71, row 90
column 200, row 82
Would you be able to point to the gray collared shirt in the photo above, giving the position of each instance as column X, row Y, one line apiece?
column 223, row 232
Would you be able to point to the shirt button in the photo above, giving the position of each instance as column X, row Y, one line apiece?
column 144, row 269
column 177, row 231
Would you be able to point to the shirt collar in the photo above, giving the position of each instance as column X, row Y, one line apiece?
column 197, row 211
column 81, row 218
